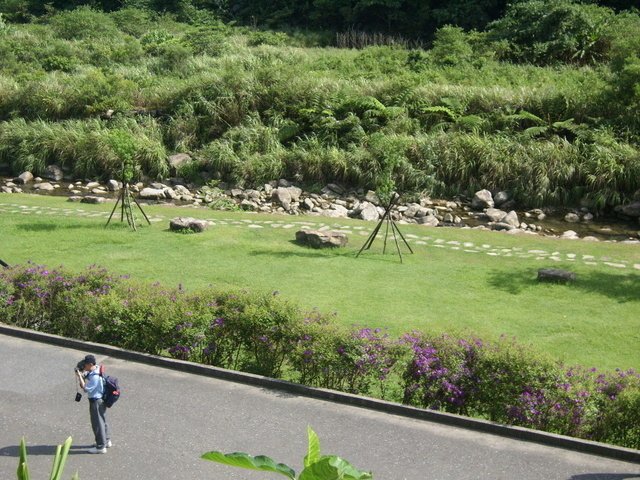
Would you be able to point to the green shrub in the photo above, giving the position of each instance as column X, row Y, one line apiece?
column 83, row 22
column 548, row 31
column 267, row 38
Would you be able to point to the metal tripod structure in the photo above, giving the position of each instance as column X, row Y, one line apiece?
column 386, row 218
column 124, row 199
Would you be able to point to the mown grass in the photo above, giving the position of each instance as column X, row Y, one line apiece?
column 593, row 322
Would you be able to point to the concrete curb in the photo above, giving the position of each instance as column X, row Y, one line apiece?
column 519, row 433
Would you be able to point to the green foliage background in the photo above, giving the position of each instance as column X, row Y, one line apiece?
column 540, row 99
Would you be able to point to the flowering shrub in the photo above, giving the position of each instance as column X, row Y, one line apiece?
column 501, row 381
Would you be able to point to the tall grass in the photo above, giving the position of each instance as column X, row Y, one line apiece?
column 250, row 106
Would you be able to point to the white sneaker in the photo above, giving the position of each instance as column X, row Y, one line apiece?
column 108, row 445
column 97, row 450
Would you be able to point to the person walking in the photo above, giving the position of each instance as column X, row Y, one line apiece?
column 91, row 382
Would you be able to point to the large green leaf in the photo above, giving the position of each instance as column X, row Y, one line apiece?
column 331, row 467
column 244, row 460
column 313, row 453
column 60, row 459
column 23, row 469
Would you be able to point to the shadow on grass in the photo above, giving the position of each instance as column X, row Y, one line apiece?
column 49, row 227
column 620, row 287
column 309, row 252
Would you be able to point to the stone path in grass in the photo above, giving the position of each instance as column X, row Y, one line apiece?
column 430, row 241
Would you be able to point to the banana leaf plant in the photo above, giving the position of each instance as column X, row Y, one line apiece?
column 316, row 466
column 62, row 452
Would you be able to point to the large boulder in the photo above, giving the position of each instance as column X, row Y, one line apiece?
column 481, row 200
column 188, row 224
column 321, row 239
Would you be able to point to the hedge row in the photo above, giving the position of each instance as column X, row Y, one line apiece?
column 261, row 333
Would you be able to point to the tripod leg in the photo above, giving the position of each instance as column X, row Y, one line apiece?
column 402, row 237
column 113, row 211
column 140, row 207
column 396, row 240
column 386, row 234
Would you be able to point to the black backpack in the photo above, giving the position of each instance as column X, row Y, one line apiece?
column 111, row 389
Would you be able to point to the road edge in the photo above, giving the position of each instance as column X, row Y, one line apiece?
column 518, row 433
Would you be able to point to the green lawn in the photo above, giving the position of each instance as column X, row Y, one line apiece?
column 488, row 291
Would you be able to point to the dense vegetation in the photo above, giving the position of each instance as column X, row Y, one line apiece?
column 260, row 333
column 542, row 102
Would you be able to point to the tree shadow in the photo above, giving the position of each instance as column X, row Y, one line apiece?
column 622, row 287
column 605, row 476
column 36, row 450
column 48, row 227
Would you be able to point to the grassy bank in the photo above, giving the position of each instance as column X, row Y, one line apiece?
column 490, row 290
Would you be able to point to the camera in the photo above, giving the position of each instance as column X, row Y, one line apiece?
column 78, row 397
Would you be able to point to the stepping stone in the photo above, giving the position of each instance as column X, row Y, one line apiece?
column 616, row 265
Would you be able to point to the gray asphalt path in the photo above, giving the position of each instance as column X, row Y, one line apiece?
column 167, row 419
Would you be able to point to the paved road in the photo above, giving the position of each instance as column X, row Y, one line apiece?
column 167, row 419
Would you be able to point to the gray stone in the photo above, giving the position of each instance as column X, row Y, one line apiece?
column 113, row 185
column 587, row 217
column 248, row 205
column 448, row 218
column 169, row 193
column 569, row 235
column 308, row 204
column 295, row 193
column 6, row 189
column 336, row 188
column 555, row 275
column 500, row 198
column 182, row 191
column 321, row 239
column 93, row 199
column 237, row 192
column 630, row 210
column 91, row 185
column 372, row 197
column 429, row 221
column 53, row 172
column 369, row 212
column 24, row 177
column 501, row 226
column 182, row 224
column 495, row 215
column 571, row 217
column 337, row 211
column 481, row 200
column 282, row 196
column 149, row 193
column 512, row 219
column 44, row 186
